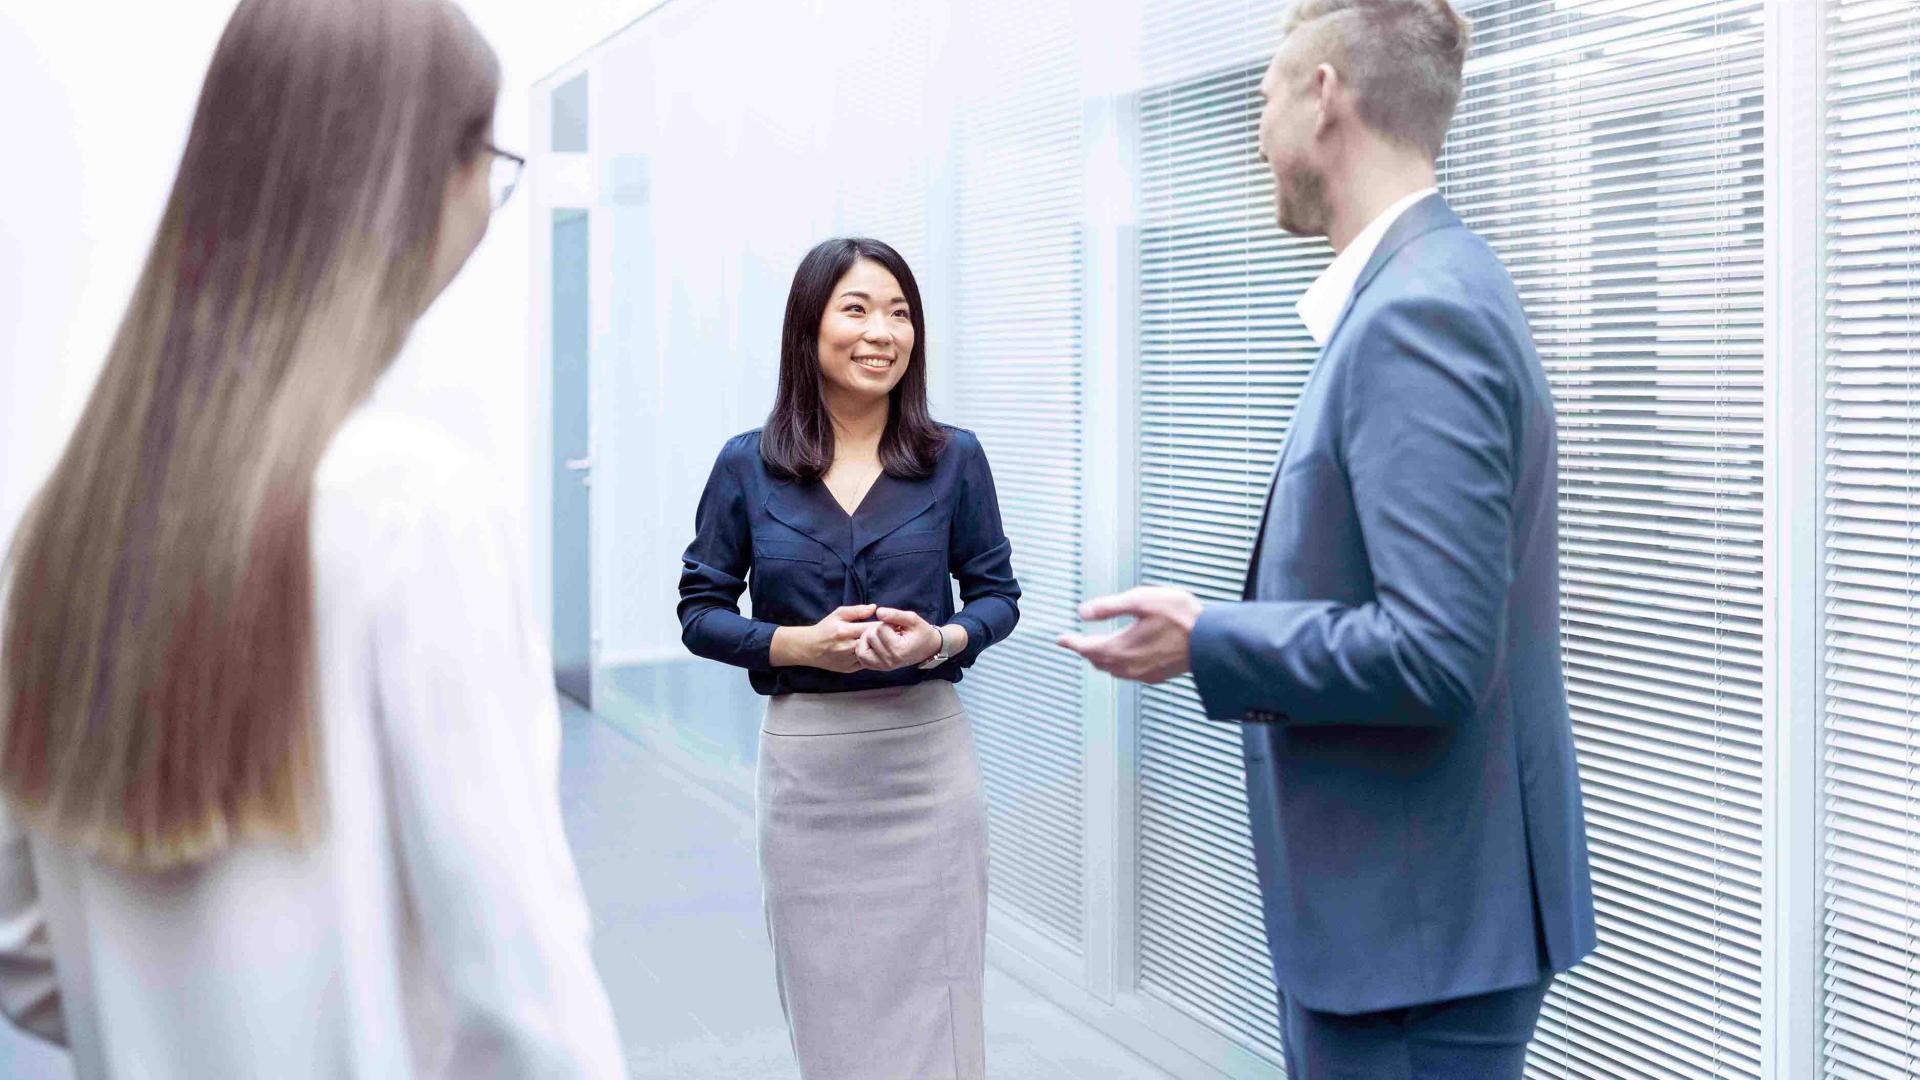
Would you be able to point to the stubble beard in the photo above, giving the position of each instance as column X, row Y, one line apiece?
column 1302, row 195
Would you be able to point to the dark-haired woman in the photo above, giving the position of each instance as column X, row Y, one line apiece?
column 848, row 516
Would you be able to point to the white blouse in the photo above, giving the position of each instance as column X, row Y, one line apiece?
column 438, row 928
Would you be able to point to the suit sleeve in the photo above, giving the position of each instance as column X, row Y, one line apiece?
column 1427, row 439
column 982, row 562
column 713, row 574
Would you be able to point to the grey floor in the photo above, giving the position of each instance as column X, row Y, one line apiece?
column 668, row 868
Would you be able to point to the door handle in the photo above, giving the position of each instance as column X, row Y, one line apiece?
column 579, row 464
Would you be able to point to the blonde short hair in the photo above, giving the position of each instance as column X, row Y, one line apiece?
column 1403, row 59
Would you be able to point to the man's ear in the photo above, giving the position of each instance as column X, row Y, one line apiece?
column 1327, row 86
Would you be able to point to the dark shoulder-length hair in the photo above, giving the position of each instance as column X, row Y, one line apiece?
column 797, row 443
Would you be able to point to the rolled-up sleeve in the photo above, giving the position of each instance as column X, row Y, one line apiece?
column 713, row 574
column 982, row 561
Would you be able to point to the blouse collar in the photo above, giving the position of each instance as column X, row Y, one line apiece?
column 809, row 507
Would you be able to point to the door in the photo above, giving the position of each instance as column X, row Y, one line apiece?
column 572, row 463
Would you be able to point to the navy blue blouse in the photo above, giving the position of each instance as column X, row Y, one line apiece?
column 803, row 556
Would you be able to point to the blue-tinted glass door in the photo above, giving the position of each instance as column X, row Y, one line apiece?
column 572, row 464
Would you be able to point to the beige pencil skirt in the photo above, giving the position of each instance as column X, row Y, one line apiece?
column 873, row 861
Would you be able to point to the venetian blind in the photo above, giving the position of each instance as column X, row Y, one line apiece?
column 1222, row 361
column 1017, row 378
column 1612, row 154
column 1871, row 719
column 883, row 101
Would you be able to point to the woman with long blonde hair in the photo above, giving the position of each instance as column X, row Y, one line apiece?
column 277, row 748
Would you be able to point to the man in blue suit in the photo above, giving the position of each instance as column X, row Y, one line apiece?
column 1395, row 664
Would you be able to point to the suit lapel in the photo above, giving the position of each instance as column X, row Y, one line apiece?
column 1423, row 217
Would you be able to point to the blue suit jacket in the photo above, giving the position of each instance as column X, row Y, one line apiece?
column 1410, row 765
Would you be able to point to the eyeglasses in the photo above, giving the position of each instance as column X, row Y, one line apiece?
column 505, row 174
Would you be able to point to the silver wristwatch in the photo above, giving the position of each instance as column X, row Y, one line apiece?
column 940, row 655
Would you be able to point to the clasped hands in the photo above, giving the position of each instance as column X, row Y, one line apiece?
column 867, row 637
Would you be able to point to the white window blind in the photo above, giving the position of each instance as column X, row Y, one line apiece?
column 1612, row 153
column 1871, row 719
column 883, row 101
column 1187, row 40
column 1222, row 361
column 1017, row 380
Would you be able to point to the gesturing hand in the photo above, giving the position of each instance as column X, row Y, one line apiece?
column 1157, row 647
column 900, row 639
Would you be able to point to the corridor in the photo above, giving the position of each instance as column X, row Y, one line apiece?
column 668, row 868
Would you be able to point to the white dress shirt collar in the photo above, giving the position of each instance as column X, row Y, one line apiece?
column 1321, row 304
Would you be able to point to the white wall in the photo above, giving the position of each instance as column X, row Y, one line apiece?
column 98, row 98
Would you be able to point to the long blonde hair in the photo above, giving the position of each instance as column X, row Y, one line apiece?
column 158, row 689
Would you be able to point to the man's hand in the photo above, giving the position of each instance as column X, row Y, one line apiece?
column 1155, row 648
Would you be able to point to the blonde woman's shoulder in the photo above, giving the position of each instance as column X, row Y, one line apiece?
column 385, row 450
column 387, row 475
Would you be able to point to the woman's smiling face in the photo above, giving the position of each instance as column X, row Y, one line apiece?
column 866, row 333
